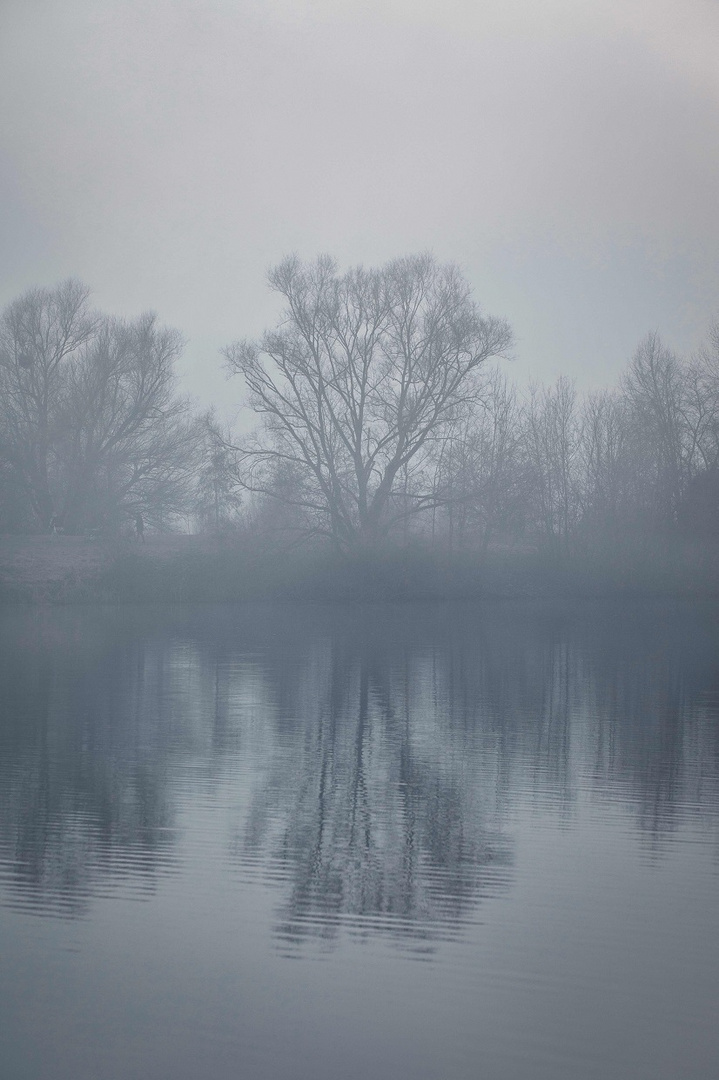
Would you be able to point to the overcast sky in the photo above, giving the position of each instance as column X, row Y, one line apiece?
column 564, row 152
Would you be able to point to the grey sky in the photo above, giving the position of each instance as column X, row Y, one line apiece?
column 565, row 153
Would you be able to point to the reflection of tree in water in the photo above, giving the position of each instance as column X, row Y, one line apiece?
column 654, row 686
column 619, row 697
column 83, row 803
column 69, row 844
column 366, row 826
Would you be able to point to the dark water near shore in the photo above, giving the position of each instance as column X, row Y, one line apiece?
column 385, row 842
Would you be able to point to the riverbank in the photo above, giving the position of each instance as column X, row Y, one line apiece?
column 69, row 569
column 174, row 568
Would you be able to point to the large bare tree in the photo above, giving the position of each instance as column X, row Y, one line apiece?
column 365, row 377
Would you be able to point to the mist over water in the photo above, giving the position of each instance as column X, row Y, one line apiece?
column 496, row 828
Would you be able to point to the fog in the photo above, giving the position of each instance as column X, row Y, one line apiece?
column 564, row 154
column 359, row 715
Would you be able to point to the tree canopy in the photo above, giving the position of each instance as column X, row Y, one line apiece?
column 91, row 426
column 359, row 387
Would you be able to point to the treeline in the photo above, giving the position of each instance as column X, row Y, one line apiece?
column 386, row 420
column 387, row 416
column 564, row 472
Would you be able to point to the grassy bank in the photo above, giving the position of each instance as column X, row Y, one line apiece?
column 199, row 569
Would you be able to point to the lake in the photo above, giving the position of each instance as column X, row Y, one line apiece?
column 332, row 843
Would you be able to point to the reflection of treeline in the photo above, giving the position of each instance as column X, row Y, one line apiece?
column 389, row 444
column 84, row 803
column 369, row 758
column 655, row 730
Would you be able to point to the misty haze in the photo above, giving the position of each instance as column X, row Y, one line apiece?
column 359, row 540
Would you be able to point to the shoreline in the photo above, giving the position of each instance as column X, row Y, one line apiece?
column 42, row 570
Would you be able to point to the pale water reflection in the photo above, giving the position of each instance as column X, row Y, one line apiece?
column 523, row 799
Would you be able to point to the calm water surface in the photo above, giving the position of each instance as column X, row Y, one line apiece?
column 385, row 842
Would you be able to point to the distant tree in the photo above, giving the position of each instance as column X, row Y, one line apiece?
column 674, row 409
column 127, row 440
column 654, row 386
column 217, row 500
column 552, row 441
column 359, row 387
column 609, row 464
column 704, row 402
column 480, row 470
column 91, row 425
column 40, row 334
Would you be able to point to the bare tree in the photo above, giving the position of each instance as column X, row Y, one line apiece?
column 480, row 470
column 608, row 456
column 216, row 502
column 552, row 454
column 703, row 395
column 40, row 333
column 366, row 376
column 654, row 386
column 674, row 406
column 128, row 440
column 92, row 427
